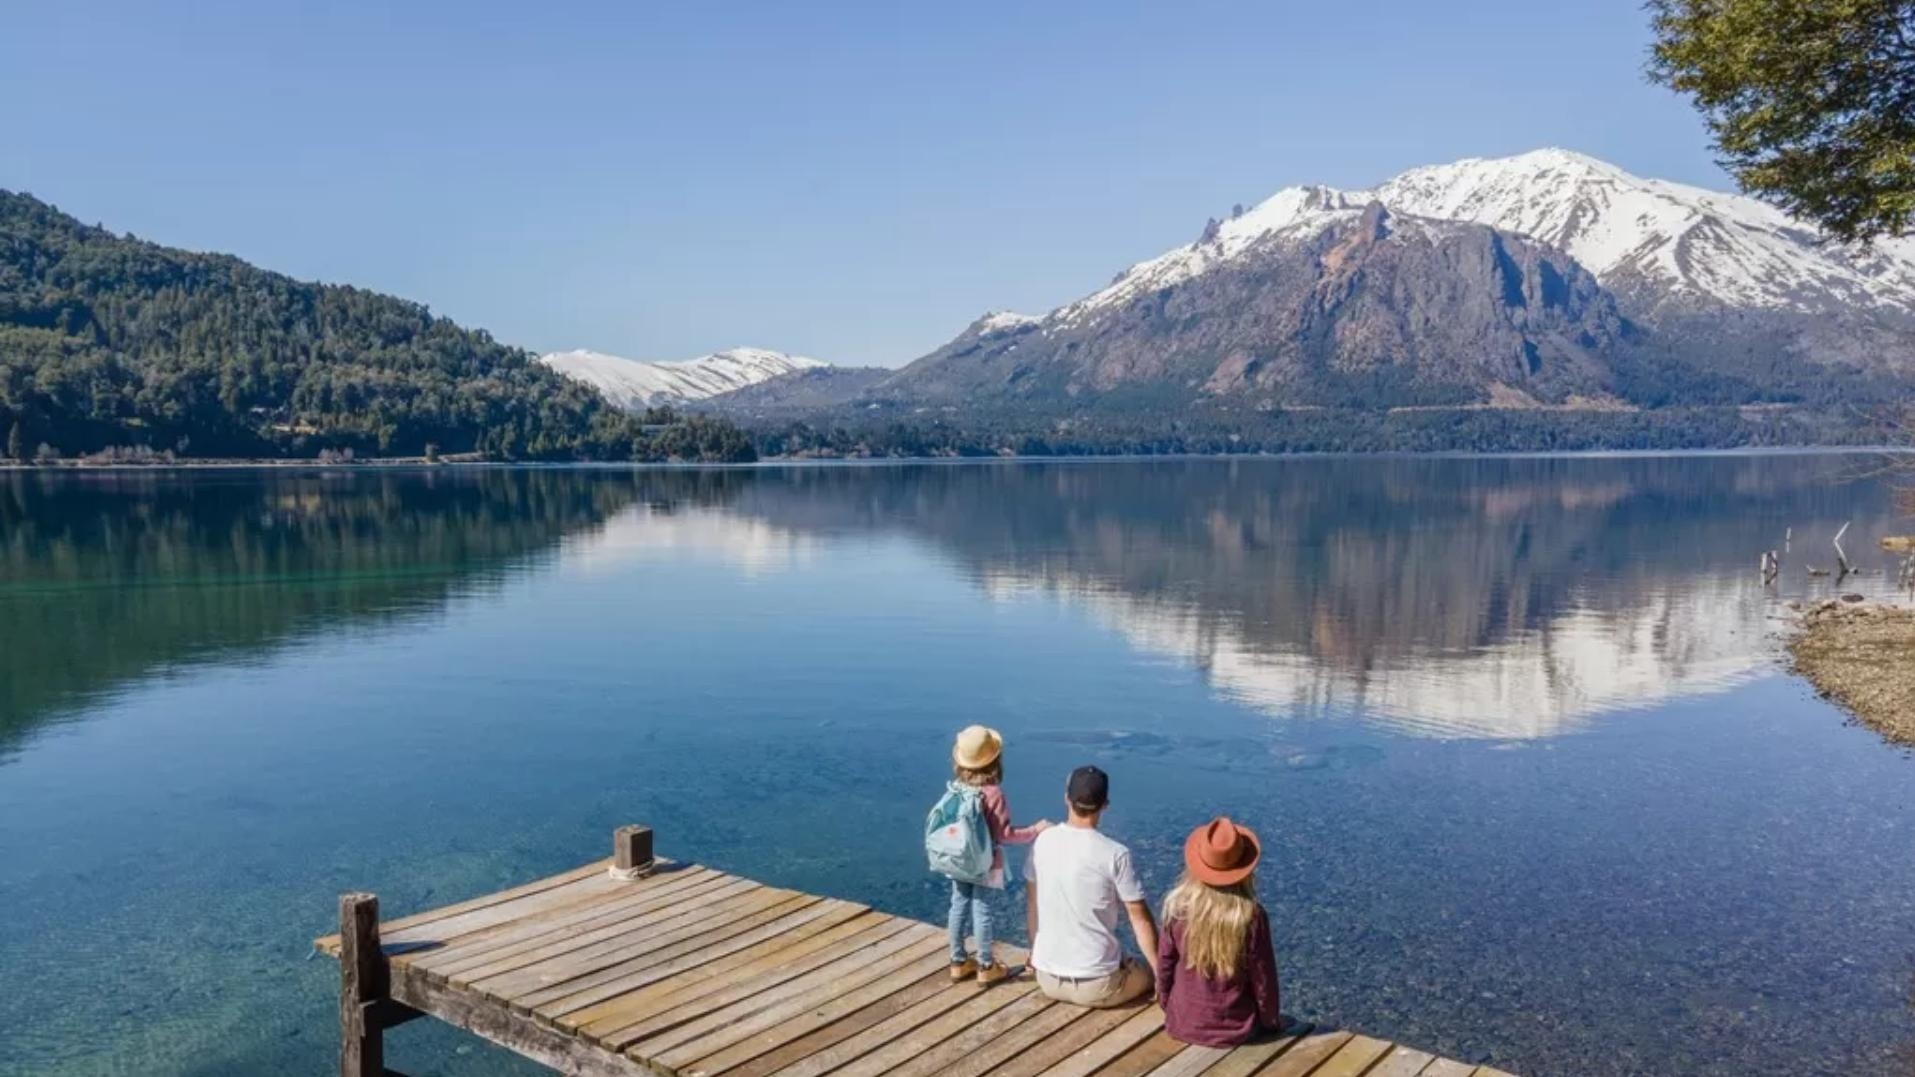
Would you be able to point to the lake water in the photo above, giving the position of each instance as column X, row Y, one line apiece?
column 1533, row 786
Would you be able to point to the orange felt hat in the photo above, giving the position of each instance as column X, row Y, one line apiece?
column 1222, row 853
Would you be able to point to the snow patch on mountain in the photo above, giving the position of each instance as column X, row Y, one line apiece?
column 635, row 383
column 1679, row 242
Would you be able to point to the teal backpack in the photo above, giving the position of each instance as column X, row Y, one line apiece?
column 957, row 841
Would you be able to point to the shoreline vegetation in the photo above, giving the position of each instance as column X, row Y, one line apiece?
column 1860, row 655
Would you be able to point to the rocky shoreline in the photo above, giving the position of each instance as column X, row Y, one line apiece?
column 1861, row 656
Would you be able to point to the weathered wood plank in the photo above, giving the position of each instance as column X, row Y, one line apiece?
column 1143, row 1058
column 984, row 1004
column 1023, row 1037
column 1354, row 1058
column 1070, row 1039
column 846, row 1016
column 1489, row 1071
column 965, row 1043
column 642, row 922
column 1304, row 1056
column 1191, row 1061
column 1402, row 1062
column 1248, row 1059
column 750, row 910
column 502, row 939
column 691, row 1042
column 329, row 944
column 745, row 973
column 877, row 1035
column 1104, row 1049
column 851, row 962
column 650, row 968
column 513, row 1031
column 1446, row 1067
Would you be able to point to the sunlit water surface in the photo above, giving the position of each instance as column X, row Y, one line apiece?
column 1533, row 786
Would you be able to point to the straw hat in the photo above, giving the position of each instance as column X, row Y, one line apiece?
column 1221, row 853
column 976, row 747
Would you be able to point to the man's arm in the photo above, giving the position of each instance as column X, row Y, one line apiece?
column 1144, row 927
column 1030, row 902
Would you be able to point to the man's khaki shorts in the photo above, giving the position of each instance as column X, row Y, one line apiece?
column 1132, row 980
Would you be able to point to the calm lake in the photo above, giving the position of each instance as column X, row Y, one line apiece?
column 1533, row 786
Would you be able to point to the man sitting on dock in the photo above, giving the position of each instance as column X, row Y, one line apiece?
column 1078, row 879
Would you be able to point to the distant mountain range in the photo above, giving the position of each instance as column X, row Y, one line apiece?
column 636, row 384
column 1545, row 280
column 1549, row 278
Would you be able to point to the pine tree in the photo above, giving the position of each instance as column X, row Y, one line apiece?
column 1811, row 104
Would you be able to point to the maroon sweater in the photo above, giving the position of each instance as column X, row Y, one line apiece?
column 1218, row 1013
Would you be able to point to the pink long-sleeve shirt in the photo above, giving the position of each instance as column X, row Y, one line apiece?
column 997, row 814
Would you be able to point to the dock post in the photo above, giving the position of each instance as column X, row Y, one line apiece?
column 632, row 851
column 363, row 984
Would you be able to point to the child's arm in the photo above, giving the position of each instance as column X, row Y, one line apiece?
column 997, row 811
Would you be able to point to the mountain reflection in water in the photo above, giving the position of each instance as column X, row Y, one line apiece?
column 1500, row 598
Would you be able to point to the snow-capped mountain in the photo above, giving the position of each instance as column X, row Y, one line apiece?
column 634, row 383
column 1696, row 245
column 1545, row 278
column 1655, row 241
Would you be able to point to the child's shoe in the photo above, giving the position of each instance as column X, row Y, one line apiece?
column 992, row 973
column 963, row 970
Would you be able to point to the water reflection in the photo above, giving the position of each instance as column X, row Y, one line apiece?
column 109, row 577
column 1459, row 597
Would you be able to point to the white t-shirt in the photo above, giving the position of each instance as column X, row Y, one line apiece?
column 1083, row 879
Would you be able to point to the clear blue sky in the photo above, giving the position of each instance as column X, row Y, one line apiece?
column 851, row 181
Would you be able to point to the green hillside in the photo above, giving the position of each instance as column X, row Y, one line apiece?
column 109, row 341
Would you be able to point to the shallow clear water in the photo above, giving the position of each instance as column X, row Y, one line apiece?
column 1532, row 785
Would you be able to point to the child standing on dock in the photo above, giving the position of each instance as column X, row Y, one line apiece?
column 965, row 838
column 1216, row 969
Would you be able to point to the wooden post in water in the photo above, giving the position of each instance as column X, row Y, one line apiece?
column 632, row 851
column 363, row 983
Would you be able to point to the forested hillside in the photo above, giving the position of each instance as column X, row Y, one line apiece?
column 110, row 341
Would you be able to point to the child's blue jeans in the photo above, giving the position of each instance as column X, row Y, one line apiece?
column 970, row 907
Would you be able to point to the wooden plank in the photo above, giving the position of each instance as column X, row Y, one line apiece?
column 743, row 912
column 935, row 1035
column 1446, row 1067
column 770, row 1050
column 628, row 1018
column 1071, row 1038
column 591, row 888
column 1354, row 1058
column 1249, row 1058
column 651, row 889
column 329, row 944
column 518, row 936
column 1191, row 1061
column 852, row 1048
column 613, row 927
column 765, row 965
column 1023, row 1037
column 1099, row 1052
column 726, row 1026
column 1402, row 1062
column 1490, row 1071
column 645, row 969
column 1144, row 1057
column 1304, row 1056
column 512, row 1031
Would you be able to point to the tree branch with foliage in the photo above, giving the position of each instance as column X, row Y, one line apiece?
column 1810, row 102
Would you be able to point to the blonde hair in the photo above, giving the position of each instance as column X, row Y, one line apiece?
column 1216, row 923
column 991, row 773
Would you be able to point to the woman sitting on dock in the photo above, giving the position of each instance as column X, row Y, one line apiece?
column 1216, row 970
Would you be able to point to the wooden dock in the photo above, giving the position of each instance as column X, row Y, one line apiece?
column 633, row 966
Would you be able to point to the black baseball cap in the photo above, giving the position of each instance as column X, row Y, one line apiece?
column 1089, row 788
